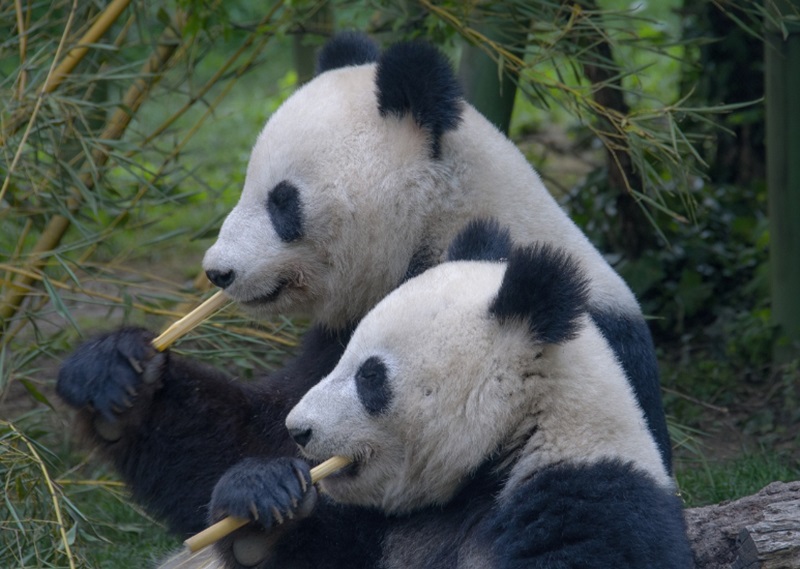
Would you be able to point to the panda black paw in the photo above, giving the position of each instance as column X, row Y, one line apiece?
column 266, row 491
column 110, row 374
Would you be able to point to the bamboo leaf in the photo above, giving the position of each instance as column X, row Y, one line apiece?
column 34, row 392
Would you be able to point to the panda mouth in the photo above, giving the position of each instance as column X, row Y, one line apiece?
column 271, row 296
column 350, row 471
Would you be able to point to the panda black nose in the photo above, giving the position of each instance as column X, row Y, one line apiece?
column 300, row 436
column 223, row 279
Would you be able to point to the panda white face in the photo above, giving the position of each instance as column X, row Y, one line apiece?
column 472, row 361
column 321, row 226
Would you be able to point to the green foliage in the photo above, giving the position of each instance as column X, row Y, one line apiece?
column 565, row 41
column 702, row 483
column 706, row 283
column 49, row 517
column 113, row 183
column 38, row 523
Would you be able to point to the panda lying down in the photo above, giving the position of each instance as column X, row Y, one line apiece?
column 487, row 416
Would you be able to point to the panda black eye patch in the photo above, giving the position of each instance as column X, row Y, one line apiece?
column 286, row 211
column 372, row 386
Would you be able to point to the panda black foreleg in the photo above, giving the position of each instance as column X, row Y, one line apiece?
column 593, row 516
column 187, row 423
column 336, row 536
column 266, row 491
column 170, row 426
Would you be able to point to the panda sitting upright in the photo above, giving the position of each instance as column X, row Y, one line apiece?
column 358, row 181
column 488, row 418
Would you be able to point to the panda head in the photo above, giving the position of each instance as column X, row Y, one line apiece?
column 335, row 198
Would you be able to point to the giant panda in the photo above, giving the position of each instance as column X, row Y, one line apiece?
column 359, row 181
column 488, row 418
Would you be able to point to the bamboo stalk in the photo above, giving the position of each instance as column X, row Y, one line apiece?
column 71, row 60
column 215, row 532
column 115, row 128
column 23, row 49
column 74, row 56
column 190, row 321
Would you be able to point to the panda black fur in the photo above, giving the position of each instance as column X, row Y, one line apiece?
column 358, row 181
column 489, row 420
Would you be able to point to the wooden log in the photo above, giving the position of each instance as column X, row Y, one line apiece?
column 773, row 543
column 761, row 531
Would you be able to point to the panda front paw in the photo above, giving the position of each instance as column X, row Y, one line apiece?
column 268, row 492
column 110, row 374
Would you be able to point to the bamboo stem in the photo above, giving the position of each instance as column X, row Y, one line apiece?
column 70, row 61
column 74, row 56
column 23, row 49
column 115, row 128
column 215, row 532
column 190, row 321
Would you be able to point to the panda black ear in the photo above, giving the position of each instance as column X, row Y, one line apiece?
column 416, row 78
column 481, row 240
column 546, row 288
column 346, row 49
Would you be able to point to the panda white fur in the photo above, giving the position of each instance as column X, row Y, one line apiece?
column 491, row 422
column 360, row 180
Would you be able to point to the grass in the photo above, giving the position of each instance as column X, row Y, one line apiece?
column 121, row 535
column 704, row 482
column 54, row 514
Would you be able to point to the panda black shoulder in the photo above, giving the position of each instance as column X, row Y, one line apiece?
column 347, row 49
column 603, row 514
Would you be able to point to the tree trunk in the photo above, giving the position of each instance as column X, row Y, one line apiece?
column 304, row 53
column 782, row 73
column 633, row 233
column 761, row 531
column 489, row 86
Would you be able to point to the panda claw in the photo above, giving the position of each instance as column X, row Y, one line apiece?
column 152, row 372
column 131, row 390
column 136, row 365
column 303, row 483
column 254, row 511
column 277, row 515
